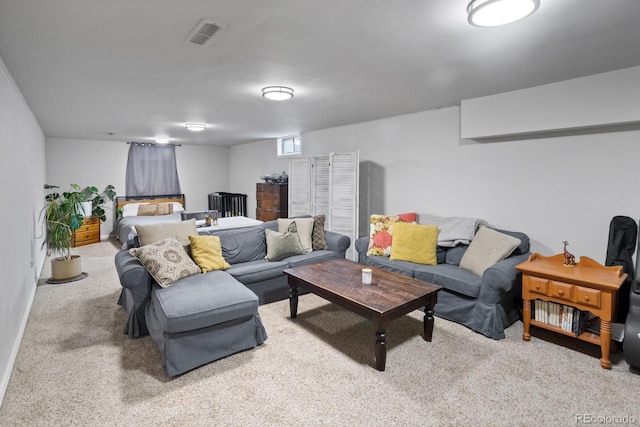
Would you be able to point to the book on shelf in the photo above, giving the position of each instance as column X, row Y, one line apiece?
column 565, row 317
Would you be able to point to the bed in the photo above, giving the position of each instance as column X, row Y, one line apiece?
column 145, row 210
column 157, row 209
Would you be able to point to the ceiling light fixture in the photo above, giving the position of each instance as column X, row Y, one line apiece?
column 195, row 127
column 493, row 13
column 277, row 93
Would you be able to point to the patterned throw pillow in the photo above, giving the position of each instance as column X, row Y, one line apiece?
column 382, row 231
column 318, row 239
column 166, row 261
column 207, row 253
column 165, row 208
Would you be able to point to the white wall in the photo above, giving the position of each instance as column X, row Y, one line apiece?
column 553, row 189
column 202, row 169
column 22, row 171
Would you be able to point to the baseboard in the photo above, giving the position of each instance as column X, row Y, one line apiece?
column 6, row 375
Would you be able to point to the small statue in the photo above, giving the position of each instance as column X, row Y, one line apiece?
column 569, row 259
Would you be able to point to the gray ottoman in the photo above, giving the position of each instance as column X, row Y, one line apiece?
column 203, row 318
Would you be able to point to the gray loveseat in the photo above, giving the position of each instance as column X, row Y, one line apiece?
column 207, row 316
column 486, row 304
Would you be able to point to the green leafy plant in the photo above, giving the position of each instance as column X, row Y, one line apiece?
column 98, row 199
column 63, row 213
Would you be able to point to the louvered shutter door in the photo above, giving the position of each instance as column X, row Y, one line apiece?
column 320, row 187
column 343, row 197
column 300, row 186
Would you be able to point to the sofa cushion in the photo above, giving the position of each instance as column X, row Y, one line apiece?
column 283, row 245
column 242, row 244
column 415, row 242
column 524, row 245
column 179, row 230
column 310, row 258
column 401, row 267
column 256, row 271
column 304, row 228
column 206, row 251
column 451, row 277
column 200, row 301
column 166, row 260
column 455, row 254
column 381, row 232
column 487, row 247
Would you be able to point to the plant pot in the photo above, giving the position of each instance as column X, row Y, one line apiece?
column 85, row 209
column 64, row 269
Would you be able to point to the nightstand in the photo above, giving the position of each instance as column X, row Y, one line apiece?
column 88, row 233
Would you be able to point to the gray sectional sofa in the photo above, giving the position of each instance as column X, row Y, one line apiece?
column 486, row 304
column 207, row 316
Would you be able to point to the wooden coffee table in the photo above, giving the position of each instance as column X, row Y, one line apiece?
column 388, row 297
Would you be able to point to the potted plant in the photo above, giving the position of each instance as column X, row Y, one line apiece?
column 63, row 214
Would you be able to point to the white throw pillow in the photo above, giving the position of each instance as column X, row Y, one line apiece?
column 487, row 247
column 305, row 230
column 131, row 209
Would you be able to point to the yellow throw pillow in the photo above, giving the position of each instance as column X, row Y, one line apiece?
column 415, row 242
column 206, row 251
column 381, row 231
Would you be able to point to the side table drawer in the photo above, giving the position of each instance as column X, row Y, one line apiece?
column 561, row 291
column 538, row 285
column 590, row 297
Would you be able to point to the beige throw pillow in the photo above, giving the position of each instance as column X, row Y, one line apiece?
column 179, row 230
column 487, row 247
column 304, row 227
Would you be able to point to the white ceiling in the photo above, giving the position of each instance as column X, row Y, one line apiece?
column 91, row 67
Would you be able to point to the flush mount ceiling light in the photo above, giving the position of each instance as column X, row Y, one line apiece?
column 493, row 13
column 277, row 93
column 195, row 127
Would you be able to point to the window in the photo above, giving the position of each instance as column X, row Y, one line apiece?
column 289, row 146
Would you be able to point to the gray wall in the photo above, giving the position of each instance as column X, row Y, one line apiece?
column 22, row 171
column 554, row 188
column 202, row 169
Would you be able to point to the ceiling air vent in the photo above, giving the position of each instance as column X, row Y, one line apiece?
column 203, row 33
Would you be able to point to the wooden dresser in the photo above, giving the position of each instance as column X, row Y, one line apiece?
column 272, row 201
column 587, row 286
column 88, row 233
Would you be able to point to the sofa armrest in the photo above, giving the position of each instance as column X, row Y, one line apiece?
column 338, row 243
column 137, row 283
column 362, row 245
column 501, row 278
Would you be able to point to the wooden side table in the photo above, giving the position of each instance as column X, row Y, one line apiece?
column 88, row 233
column 588, row 286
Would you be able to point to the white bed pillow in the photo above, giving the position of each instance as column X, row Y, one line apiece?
column 131, row 209
column 177, row 207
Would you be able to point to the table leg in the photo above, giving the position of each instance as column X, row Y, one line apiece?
column 605, row 343
column 293, row 301
column 381, row 350
column 428, row 323
column 381, row 344
column 526, row 319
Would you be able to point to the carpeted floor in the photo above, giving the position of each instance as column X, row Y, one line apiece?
column 76, row 367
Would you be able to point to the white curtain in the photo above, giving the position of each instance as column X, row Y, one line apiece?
column 151, row 170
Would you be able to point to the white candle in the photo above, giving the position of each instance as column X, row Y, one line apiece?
column 367, row 274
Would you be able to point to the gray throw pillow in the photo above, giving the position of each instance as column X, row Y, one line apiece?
column 283, row 245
